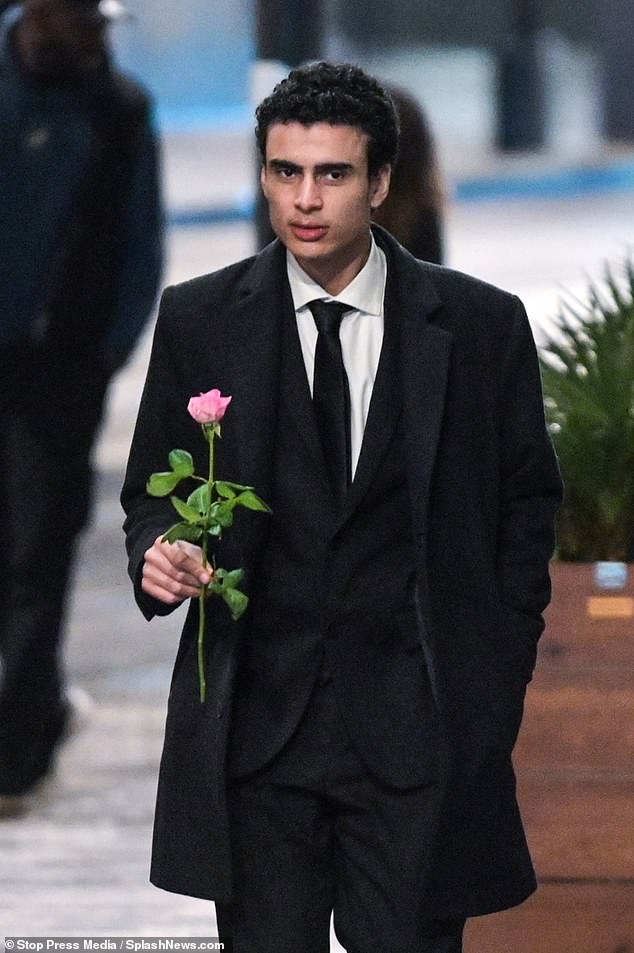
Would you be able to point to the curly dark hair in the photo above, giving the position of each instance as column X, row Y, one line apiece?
column 340, row 94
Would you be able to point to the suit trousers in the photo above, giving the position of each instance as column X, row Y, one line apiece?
column 313, row 832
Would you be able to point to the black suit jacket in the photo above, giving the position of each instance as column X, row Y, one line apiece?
column 335, row 590
column 485, row 488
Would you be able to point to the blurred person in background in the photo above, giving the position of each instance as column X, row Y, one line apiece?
column 80, row 264
column 413, row 209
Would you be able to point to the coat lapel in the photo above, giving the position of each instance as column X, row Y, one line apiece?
column 424, row 356
column 412, row 380
column 425, row 359
column 266, row 365
column 252, row 364
column 422, row 365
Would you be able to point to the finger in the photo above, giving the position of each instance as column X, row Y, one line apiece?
column 164, row 579
column 160, row 593
column 179, row 562
column 168, row 586
column 186, row 558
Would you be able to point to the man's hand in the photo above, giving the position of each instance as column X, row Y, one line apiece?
column 173, row 572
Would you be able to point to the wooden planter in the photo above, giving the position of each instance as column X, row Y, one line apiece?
column 588, row 626
column 575, row 766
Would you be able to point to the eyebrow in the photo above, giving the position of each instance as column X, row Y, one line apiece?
column 322, row 169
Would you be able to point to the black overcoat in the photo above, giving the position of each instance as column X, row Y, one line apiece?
column 484, row 490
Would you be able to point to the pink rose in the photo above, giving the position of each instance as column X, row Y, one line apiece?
column 208, row 408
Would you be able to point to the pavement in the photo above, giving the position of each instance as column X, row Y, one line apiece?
column 77, row 865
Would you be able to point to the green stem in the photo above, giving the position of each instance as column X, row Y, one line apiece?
column 202, row 679
column 210, row 433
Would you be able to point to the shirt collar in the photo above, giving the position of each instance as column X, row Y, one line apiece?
column 365, row 292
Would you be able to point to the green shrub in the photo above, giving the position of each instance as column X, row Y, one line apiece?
column 588, row 372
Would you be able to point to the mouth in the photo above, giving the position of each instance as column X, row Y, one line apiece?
column 308, row 231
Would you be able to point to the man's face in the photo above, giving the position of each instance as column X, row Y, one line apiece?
column 57, row 38
column 315, row 179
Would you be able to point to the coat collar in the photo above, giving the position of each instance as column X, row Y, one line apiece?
column 422, row 362
column 252, row 362
column 424, row 355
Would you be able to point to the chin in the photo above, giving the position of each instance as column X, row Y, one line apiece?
column 314, row 249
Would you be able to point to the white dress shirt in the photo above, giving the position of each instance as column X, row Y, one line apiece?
column 361, row 332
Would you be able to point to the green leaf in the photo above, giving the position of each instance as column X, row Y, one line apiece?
column 227, row 490
column 229, row 578
column 183, row 531
column 236, row 600
column 588, row 375
column 162, row 484
column 221, row 514
column 224, row 584
column 200, row 499
column 189, row 514
column 230, row 489
column 252, row 501
column 182, row 463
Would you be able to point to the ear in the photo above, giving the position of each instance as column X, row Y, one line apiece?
column 263, row 179
column 380, row 186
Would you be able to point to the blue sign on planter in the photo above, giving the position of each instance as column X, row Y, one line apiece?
column 610, row 575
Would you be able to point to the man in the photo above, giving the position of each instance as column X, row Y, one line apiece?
column 79, row 269
column 354, row 750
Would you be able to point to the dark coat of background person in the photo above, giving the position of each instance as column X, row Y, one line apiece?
column 413, row 209
column 80, row 263
column 484, row 487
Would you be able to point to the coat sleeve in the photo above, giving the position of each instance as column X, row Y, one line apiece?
column 530, row 489
column 162, row 425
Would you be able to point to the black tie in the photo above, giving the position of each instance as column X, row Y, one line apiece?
column 331, row 397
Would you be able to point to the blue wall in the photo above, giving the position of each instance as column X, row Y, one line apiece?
column 194, row 55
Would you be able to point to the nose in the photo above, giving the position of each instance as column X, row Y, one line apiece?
column 308, row 195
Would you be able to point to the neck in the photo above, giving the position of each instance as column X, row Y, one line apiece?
column 334, row 276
